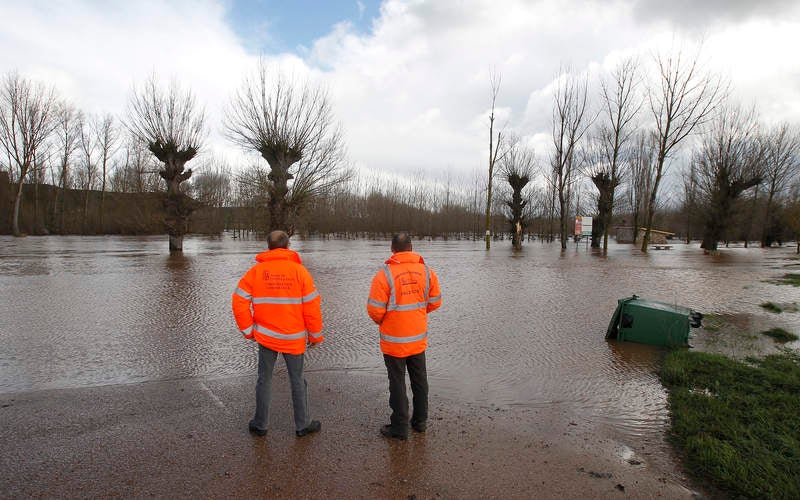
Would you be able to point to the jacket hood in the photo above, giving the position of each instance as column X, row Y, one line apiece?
column 405, row 258
column 279, row 254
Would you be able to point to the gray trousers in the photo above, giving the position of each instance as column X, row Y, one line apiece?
column 294, row 366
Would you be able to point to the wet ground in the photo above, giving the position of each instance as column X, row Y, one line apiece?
column 517, row 358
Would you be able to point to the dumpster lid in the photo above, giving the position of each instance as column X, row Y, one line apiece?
column 655, row 304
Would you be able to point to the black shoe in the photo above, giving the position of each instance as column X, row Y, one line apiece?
column 312, row 427
column 386, row 431
column 419, row 426
column 255, row 430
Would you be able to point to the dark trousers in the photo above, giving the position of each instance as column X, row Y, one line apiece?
column 398, row 401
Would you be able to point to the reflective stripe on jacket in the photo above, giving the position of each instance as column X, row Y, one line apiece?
column 277, row 304
column 400, row 298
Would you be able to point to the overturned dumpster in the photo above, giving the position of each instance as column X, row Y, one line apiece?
column 652, row 322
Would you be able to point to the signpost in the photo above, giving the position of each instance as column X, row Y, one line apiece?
column 583, row 227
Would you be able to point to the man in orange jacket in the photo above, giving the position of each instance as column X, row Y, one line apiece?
column 400, row 298
column 277, row 305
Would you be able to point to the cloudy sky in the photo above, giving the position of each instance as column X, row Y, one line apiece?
column 409, row 79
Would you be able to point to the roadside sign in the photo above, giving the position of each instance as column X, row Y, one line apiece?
column 583, row 226
column 586, row 226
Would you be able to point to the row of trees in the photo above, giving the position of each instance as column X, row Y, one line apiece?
column 630, row 133
column 291, row 126
column 625, row 137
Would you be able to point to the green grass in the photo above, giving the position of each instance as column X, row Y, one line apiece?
column 737, row 423
column 773, row 307
column 791, row 279
column 780, row 335
column 712, row 322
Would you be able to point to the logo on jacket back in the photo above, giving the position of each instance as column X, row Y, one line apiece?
column 279, row 281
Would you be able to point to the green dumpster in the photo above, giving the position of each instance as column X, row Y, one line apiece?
column 652, row 322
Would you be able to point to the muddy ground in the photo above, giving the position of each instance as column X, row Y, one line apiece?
column 189, row 438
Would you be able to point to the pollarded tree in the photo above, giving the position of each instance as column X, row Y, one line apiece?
column 728, row 163
column 291, row 125
column 518, row 167
column 27, row 118
column 172, row 126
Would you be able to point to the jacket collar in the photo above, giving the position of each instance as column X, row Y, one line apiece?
column 278, row 254
column 405, row 258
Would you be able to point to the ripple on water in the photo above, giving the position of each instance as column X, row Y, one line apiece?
column 514, row 330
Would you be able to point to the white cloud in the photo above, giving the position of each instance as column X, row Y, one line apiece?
column 95, row 52
column 412, row 94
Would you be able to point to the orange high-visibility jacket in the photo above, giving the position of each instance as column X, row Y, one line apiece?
column 277, row 304
column 400, row 298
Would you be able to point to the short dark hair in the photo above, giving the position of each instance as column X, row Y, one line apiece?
column 278, row 239
column 401, row 242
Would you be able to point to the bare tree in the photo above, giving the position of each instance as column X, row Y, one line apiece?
column 620, row 106
column 87, row 145
column 137, row 171
column 292, row 127
column 691, row 198
column 171, row 124
column 107, row 138
column 781, row 167
column 641, row 171
column 728, row 163
column 212, row 184
column 681, row 99
column 68, row 123
column 571, row 121
column 27, row 117
column 494, row 149
column 518, row 167
column 792, row 215
column 551, row 181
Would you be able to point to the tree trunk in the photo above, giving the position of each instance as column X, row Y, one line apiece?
column 651, row 206
column 488, row 235
column 176, row 243
column 63, row 199
column 17, row 202
column 36, row 229
column 85, row 211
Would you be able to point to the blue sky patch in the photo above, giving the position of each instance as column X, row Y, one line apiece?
column 276, row 26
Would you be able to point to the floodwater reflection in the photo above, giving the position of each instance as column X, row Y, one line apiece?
column 516, row 328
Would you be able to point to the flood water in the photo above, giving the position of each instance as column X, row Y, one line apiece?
column 515, row 329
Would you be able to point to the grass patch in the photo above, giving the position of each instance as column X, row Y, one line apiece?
column 712, row 322
column 772, row 307
column 780, row 335
column 789, row 279
column 737, row 422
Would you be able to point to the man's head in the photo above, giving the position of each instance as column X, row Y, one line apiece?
column 401, row 242
column 278, row 239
